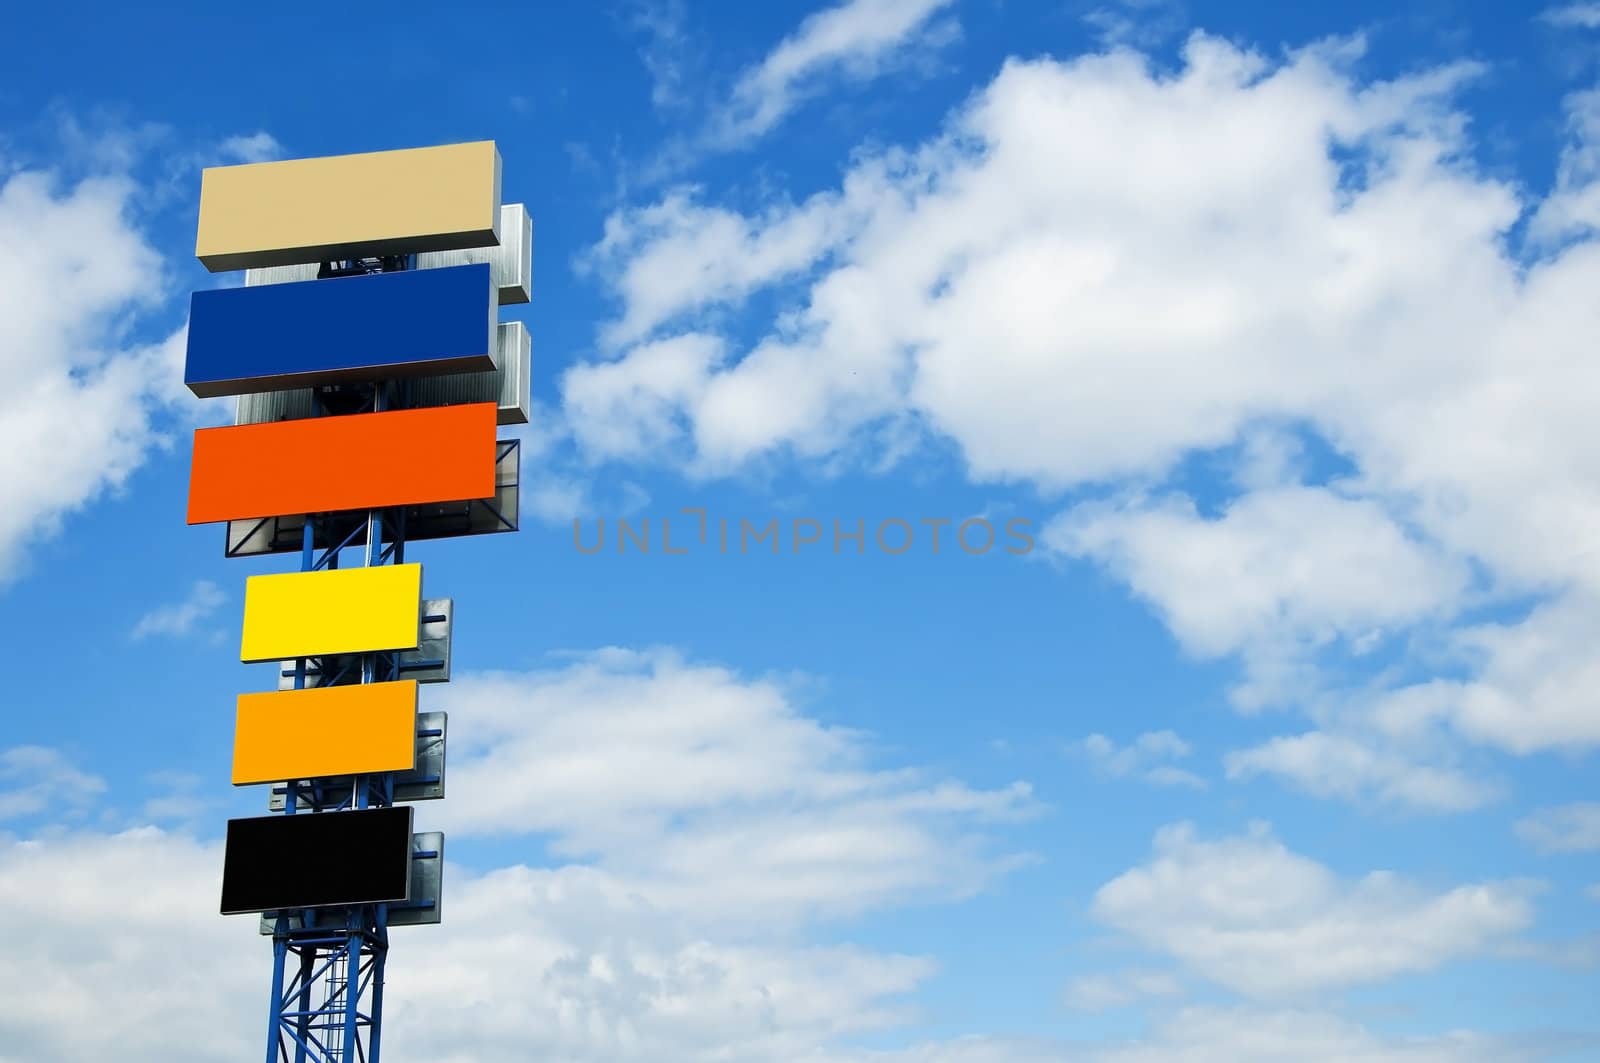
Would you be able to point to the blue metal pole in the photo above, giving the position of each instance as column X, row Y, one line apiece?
column 308, row 959
column 280, row 948
column 380, row 954
column 352, row 986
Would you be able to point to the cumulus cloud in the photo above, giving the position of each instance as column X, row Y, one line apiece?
column 1256, row 1035
column 1138, row 23
column 259, row 146
column 1148, row 757
column 565, row 962
column 700, row 825
column 1293, row 563
column 1573, row 828
column 572, row 964
column 1531, row 684
column 679, row 256
column 128, row 924
column 666, row 48
column 37, row 779
column 1211, row 1034
column 589, row 959
column 710, row 794
column 1335, row 765
column 1116, row 989
column 1248, row 914
column 179, row 618
column 855, row 39
column 631, row 409
column 1579, row 16
column 1100, row 272
column 75, row 416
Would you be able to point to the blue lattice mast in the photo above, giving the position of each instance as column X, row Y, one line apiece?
column 319, row 1009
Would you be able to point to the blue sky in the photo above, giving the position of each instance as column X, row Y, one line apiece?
column 1271, row 322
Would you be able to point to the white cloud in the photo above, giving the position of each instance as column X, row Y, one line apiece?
column 123, row 930
column 1573, row 208
column 1148, row 757
column 708, row 822
column 630, row 409
column 1099, row 272
column 259, row 146
column 179, row 798
column 554, row 963
column 565, row 963
column 678, row 256
column 708, row 793
column 179, row 618
column 75, row 415
column 1255, row 1035
column 1250, row 915
column 571, row 964
column 854, row 39
column 1212, row 1034
column 1281, row 564
column 1573, row 828
column 1534, row 686
column 1116, row 989
column 36, row 779
column 585, row 962
column 666, row 49
column 1335, row 765
column 1017, row 279
column 1137, row 23
column 1581, row 16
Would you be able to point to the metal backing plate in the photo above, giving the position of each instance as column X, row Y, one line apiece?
column 425, row 782
column 510, row 264
column 428, row 663
column 280, row 535
column 506, row 385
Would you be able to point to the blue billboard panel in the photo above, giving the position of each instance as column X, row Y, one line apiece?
column 337, row 330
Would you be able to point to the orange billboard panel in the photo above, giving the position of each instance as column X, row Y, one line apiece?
column 329, row 464
column 307, row 734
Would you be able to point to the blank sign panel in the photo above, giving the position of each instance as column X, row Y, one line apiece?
column 345, row 206
column 342, row 730
column 379, row 326
column 317, row 860
column 334, row 464
column 343, row 610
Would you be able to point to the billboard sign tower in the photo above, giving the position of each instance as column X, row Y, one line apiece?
column 369, row 371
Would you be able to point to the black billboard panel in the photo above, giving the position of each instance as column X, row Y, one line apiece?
column 317, row 860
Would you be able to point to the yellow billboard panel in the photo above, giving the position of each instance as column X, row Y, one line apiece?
column 307, row 734
column 348, row 206
column 345, row 610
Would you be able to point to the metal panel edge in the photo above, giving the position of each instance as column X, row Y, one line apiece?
column 508, row 385
column 510, row 262
column 425, row 782
column 502, row 513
